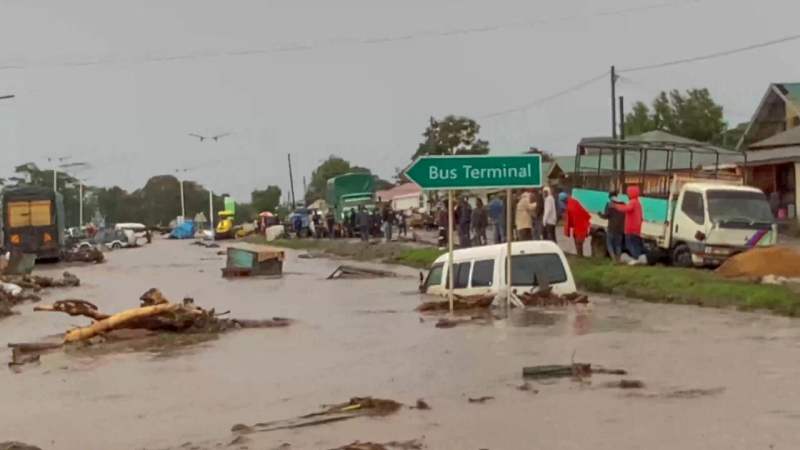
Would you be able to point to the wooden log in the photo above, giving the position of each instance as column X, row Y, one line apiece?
column 119, row 320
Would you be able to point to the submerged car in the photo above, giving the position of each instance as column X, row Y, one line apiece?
column 482, row 270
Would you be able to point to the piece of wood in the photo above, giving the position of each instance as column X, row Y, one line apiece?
column 74, row 307
column 118, row 320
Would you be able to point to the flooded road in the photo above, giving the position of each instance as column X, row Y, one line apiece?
column 713, row 379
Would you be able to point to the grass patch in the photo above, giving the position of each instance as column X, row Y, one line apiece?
column 683, row 286
column 656, row 284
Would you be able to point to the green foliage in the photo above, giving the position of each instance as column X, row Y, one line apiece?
column 266, row 200
column 331, row 167
column 694, row 115
column 454, row 135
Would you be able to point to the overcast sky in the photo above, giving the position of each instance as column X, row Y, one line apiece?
column 121, row 83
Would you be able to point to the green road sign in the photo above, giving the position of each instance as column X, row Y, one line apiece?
column 476, row 172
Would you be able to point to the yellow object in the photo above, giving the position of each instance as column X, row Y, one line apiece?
column 16, row 239
column 25, row 214
column 47, row 238
column 225, row 226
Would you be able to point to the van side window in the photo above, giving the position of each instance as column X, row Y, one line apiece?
column 483, row 273
column 435, row 275
column 693, row 207
column 460, row 275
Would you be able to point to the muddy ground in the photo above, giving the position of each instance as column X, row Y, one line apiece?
column 713, row 379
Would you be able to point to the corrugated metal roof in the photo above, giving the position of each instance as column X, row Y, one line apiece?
column 788, row 137
column 775, row 155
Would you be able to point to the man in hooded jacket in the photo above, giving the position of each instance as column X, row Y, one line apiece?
column 633, row 222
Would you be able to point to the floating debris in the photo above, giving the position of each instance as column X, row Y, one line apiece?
column 356, row 407
column 85, row 254
column 10, row 445
column 546, row 297
column 422, row 405
column 460, row 303
column 625, row 384
column 574, row 370
column 483, row 399
column 349, row 272
column 155, row 313
column 358, row 445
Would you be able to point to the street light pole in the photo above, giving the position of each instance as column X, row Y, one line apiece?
column 80, row 203
column 183, row 205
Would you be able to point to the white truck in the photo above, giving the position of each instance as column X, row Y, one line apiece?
column 694, row 219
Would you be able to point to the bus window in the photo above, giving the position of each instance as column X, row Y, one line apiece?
column 41, row 213
column 18, row 214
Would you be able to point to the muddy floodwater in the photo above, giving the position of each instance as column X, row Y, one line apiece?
column 713, row 379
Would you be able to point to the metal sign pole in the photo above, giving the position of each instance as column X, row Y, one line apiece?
column 450, row 248
column 508, row 246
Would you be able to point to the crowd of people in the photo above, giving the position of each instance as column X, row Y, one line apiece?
column 364, row 223
column 535, row 214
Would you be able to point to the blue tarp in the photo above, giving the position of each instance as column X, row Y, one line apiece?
column 183, row 231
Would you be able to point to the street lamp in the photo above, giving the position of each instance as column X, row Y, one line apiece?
column 81, row 181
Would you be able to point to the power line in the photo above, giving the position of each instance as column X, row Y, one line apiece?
column 345, row 41
column 712, row 55
column 547, row 98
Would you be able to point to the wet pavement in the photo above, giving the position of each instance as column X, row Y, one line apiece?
column 713, row 379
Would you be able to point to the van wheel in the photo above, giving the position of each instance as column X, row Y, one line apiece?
column 116, row 246
column 681, row 256
column 599, row 247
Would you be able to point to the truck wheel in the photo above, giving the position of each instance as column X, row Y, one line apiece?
column 599, row 247
column 681, row 256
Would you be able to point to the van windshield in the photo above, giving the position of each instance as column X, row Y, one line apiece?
column 736, row 209
column 434, row 276
column 526, row 267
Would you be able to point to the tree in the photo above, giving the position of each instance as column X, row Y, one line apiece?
column 331, row 167
column 639, row 120
column 546, row 156
column 266, row 200
column 454, row 135
column 694, row 115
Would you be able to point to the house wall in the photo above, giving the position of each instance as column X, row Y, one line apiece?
column 796, row 187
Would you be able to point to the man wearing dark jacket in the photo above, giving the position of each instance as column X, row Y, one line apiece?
column 615, row 231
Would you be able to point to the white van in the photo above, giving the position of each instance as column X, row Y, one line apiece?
column 481, row 270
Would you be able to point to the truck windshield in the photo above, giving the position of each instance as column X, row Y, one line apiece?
column 739, row 208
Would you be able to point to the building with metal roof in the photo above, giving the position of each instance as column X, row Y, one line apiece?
column 772, row 145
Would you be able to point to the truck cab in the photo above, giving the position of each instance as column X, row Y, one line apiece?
column 711, row 222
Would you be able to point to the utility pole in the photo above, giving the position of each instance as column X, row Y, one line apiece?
column 622, row 136
column 305, row 187
column 613, row 102
column 613, row 115
column 291, row 181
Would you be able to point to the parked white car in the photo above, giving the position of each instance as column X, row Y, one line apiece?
column 482, row 270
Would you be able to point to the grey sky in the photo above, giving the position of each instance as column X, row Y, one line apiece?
column 367, row 102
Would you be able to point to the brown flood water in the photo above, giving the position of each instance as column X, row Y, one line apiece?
column 361, row 337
